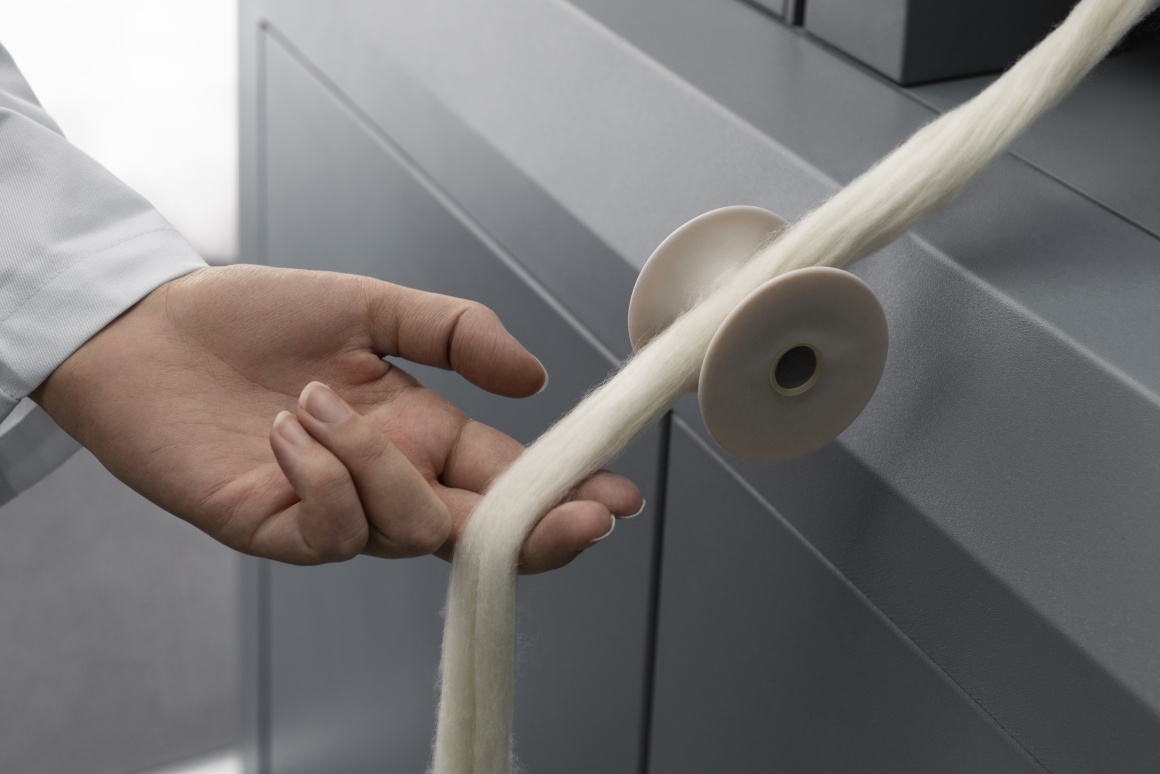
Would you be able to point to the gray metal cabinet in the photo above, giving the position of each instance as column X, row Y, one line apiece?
column 353, row 648
column 770, row 660
column 965, row 580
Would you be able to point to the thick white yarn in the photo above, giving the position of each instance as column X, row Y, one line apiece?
column 475, row 710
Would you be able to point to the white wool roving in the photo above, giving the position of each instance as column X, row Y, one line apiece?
column 475, row 711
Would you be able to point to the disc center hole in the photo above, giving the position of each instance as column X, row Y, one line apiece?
column 796, row 370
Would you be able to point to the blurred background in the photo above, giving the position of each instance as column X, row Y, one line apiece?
column 149, row 89
column 118, row 622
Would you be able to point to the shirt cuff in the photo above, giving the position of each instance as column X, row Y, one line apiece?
column 75, row 304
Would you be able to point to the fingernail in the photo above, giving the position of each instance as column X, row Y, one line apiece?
column 323, row 403
column 287, row 426
column 545, row 370
column 611, row 527
column 639, row 511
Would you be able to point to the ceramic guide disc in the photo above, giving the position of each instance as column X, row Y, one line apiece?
column 793, row 365
column 688, row 262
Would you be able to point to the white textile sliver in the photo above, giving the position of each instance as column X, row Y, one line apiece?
column 477, row 672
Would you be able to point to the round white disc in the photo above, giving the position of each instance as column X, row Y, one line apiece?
column 687, row 263
column 793, row 365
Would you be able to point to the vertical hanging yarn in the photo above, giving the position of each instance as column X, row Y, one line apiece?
column 477, row 671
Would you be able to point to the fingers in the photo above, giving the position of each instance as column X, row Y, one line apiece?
column 616, row 493
column 564, row 534
column 327, row 524
column 481, row 453
column 359, row 493
column 453, row 333
column 354, row 484
column 405, row 516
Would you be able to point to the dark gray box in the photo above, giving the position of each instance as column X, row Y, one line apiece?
column 914, row 41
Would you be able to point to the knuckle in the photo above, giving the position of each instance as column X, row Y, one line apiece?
column 338, row 550
column 422, row 536
column 482, row 313
column 330, row 483
column 476, row 307
column 337, row 539
column 467, row 315
column 410, row 545
column 428, row 537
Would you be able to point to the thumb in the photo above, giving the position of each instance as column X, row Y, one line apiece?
column 452, row 333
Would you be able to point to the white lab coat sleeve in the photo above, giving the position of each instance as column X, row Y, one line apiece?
column 77, row 246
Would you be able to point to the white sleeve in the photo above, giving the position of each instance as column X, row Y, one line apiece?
column 77, row 246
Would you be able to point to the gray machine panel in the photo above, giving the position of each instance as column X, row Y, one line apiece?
column 1102, row 140
column 353, row 648
column 1010, row 444
column 118, row 649
column 769, row 660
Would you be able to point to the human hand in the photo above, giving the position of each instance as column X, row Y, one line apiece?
column 176, row 396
